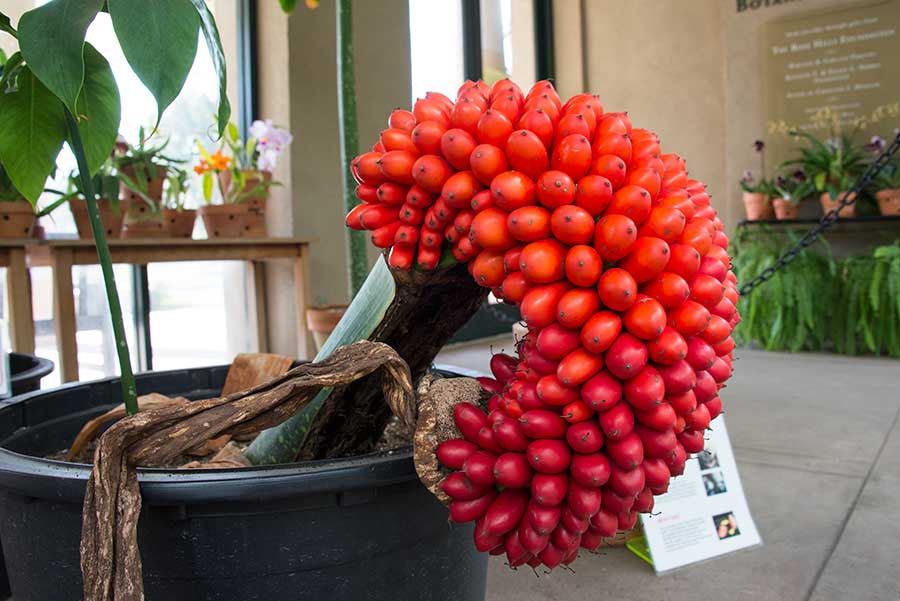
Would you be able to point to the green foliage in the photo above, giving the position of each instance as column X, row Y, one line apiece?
column 211, row 34
column 869, row 302
column 889, row 177
column 99, row 103
column 56, row 71
column 834, row 165
column 176, row 188
column 8, row 192
column 160, row 44
column 851, row 306
column 32, row 131
column 791, row 311
column 51, row 38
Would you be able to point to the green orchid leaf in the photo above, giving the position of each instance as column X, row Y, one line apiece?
column 6, row 25
column 32, row 130
column 159, row 39
column 288, row 6
column 99, row 109
column 51, row 39
column 214, row 43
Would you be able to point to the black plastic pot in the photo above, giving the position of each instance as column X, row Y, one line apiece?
column 26, row 372
column 361, row 528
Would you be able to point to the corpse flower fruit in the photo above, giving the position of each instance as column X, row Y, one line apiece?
column 620, row 267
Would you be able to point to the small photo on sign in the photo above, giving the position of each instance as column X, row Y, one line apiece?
column 714, row 483
column 726, row 525
column 708, row 459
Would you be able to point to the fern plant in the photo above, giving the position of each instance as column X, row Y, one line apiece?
column 869, row 304
column 792, row 310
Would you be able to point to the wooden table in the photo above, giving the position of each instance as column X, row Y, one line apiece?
column 18, row 290
column 62, row 255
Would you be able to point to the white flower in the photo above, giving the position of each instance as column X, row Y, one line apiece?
column 270, row 141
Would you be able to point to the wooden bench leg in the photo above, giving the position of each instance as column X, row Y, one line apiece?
column 306, row 347
column 18, row 289
column 64, row 314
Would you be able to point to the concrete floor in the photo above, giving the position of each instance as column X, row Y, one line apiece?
column 818, row 449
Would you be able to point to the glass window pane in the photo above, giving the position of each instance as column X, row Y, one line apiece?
column 507, row 41
column 436, row 46
column 200, row 313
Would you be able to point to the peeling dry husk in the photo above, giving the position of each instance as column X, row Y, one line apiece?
column 110, row 559
column 436, row 425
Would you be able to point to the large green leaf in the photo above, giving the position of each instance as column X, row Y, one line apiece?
column 98, row 109
column 214, row 43
column 159, row 39
column 51, row 39
column 32, row 130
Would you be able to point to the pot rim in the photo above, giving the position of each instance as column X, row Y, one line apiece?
column 40, row 367
column 63, row 481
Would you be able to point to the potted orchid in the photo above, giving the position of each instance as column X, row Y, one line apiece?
column 757, row 191
column 788, row 190
column 143, row 170
column 177, row 219
column 887, row 183
column 243, row 178
column 106, row 186
column 832, row 165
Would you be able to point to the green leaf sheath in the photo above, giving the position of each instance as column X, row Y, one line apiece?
column 214, row 43
column 159, row 39
column 357, row 264
column 32, row 131
column 282, row 443
column 51, row 39
column 99, row 109
column 129, row 389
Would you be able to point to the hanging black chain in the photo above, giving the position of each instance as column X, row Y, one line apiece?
column 827, row 220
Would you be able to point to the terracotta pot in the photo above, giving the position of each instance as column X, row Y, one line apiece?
column 256, row 204
column 785, row 209
column 154, row 185
column 829, row 203
column 253, row 178
column 16, row 219
column 179, row 224
column 140, row 221
column 322, row 320
column 757, row 206
column 888, row 201
column 110, row 216
column 225, row 221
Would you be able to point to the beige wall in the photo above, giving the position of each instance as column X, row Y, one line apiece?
column 298, row 89
column 689, row 70
column 662, row 62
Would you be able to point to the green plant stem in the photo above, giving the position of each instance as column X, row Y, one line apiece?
column 129, row 389
column 356, row 241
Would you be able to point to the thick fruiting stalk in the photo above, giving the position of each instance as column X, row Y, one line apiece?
column 428, row 308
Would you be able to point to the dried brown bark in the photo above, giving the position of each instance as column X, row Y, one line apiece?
column 429, row 307
column 110, row 560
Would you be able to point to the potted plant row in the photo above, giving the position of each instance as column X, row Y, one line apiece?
column 825, row 169
column 242, row 177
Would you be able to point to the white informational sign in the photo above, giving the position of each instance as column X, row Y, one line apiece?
column 704, row 514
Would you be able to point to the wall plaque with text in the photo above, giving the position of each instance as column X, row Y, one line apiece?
column 839, row 66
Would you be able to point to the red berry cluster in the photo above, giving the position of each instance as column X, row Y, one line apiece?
column 620, row 268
